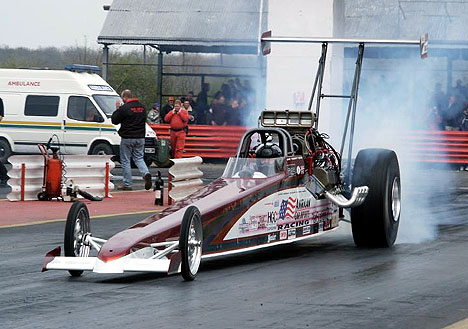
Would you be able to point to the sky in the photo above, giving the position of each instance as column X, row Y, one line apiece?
column 51, row 23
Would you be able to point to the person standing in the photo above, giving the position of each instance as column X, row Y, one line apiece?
column 453, row 114
column 3, row 170
column 178, row 119
column 186, row 105
column 132, row 119
column 167, row 108
column 202, row 104
column 153, row 114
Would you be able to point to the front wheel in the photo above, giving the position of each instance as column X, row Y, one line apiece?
column 76, row 228
column 190, row 243
column 101, row 149
column 5, row 150
column 375, row 222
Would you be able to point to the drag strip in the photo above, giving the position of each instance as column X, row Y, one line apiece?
column 323, row 282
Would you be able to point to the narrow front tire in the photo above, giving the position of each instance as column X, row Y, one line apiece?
column 190, row 243
column 78, row 225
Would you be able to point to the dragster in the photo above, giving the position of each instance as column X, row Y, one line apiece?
column 285, row 184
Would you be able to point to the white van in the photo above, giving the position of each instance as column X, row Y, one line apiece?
column 74, row 104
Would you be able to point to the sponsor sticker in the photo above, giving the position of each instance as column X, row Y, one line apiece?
column 306, row 230
column 292, row 233
column 272, row 237
column 283, row 235
column 320, row 228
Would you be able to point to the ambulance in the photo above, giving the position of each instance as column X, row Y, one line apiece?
column 72, row 106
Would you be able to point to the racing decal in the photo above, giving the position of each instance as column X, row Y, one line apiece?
column 282, row 211
column 288, row 207
column 272, row 237
column 283, row 235
column 306, row 230
column 292, row 234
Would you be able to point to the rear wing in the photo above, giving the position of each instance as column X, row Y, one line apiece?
column 266, row 40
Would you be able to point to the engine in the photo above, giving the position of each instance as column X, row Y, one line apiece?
column 322, row 159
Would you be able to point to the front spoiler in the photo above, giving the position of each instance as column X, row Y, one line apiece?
column 128, row 263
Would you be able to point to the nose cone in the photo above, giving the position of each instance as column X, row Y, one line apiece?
column 119, row 245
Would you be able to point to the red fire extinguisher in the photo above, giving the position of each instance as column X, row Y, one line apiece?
column 52, row 180
column 158, row 190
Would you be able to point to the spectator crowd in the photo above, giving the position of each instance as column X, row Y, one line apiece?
column 228, row 106
column 449, row 111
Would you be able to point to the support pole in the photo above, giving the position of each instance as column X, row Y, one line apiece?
column 352, row 113
column 106, row 184
column 160, row 76
column 320, row 81
column 105, row 63
column 23, row 180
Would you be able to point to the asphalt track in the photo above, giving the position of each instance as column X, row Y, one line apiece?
column 321, row 283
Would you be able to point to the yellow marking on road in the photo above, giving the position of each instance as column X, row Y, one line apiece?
column 463, row 324
column 64, row 219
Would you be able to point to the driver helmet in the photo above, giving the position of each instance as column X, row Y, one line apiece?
column 268, row 150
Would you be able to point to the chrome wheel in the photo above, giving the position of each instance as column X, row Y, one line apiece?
column 190, row 243
column 81, row 229
column 396, row 199
column 194, row 244
column 77, row 230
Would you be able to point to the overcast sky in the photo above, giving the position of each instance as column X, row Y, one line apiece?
column 58, row 23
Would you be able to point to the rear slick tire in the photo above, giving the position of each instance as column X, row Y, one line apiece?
column 375, row 222
column 76, row 227
column 190, row 243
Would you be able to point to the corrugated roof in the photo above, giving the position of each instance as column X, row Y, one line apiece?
column 230, row 26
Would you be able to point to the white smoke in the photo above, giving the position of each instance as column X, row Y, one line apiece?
column 394, row 102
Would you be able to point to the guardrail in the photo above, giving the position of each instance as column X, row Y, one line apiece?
column 90, row 172
column 184, row 178
column 439, row 146
column 222, row 142
column 207, row 141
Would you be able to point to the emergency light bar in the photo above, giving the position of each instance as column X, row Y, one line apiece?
column 266, row 40
column 82, row 68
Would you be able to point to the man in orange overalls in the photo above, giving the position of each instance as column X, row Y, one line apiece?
column 178, row 119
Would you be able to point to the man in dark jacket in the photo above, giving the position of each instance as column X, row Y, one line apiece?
column 132, row 119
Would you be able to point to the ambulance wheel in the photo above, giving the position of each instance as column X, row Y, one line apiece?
column 190, row 243
column 101, row 149
column 5, row 150
column 375, row 222
column 76, row 228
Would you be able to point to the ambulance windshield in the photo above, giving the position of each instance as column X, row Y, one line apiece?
column 107, row 103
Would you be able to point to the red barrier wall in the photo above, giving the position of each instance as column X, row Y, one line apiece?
column 440, row 146
column 207, row 141
column 222, row 142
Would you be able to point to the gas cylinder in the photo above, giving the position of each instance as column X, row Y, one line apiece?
column 158, row 190
column 54, row 177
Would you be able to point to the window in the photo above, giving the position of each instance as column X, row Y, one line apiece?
column 42, row 106
column 82, row 109
column 107, row 103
